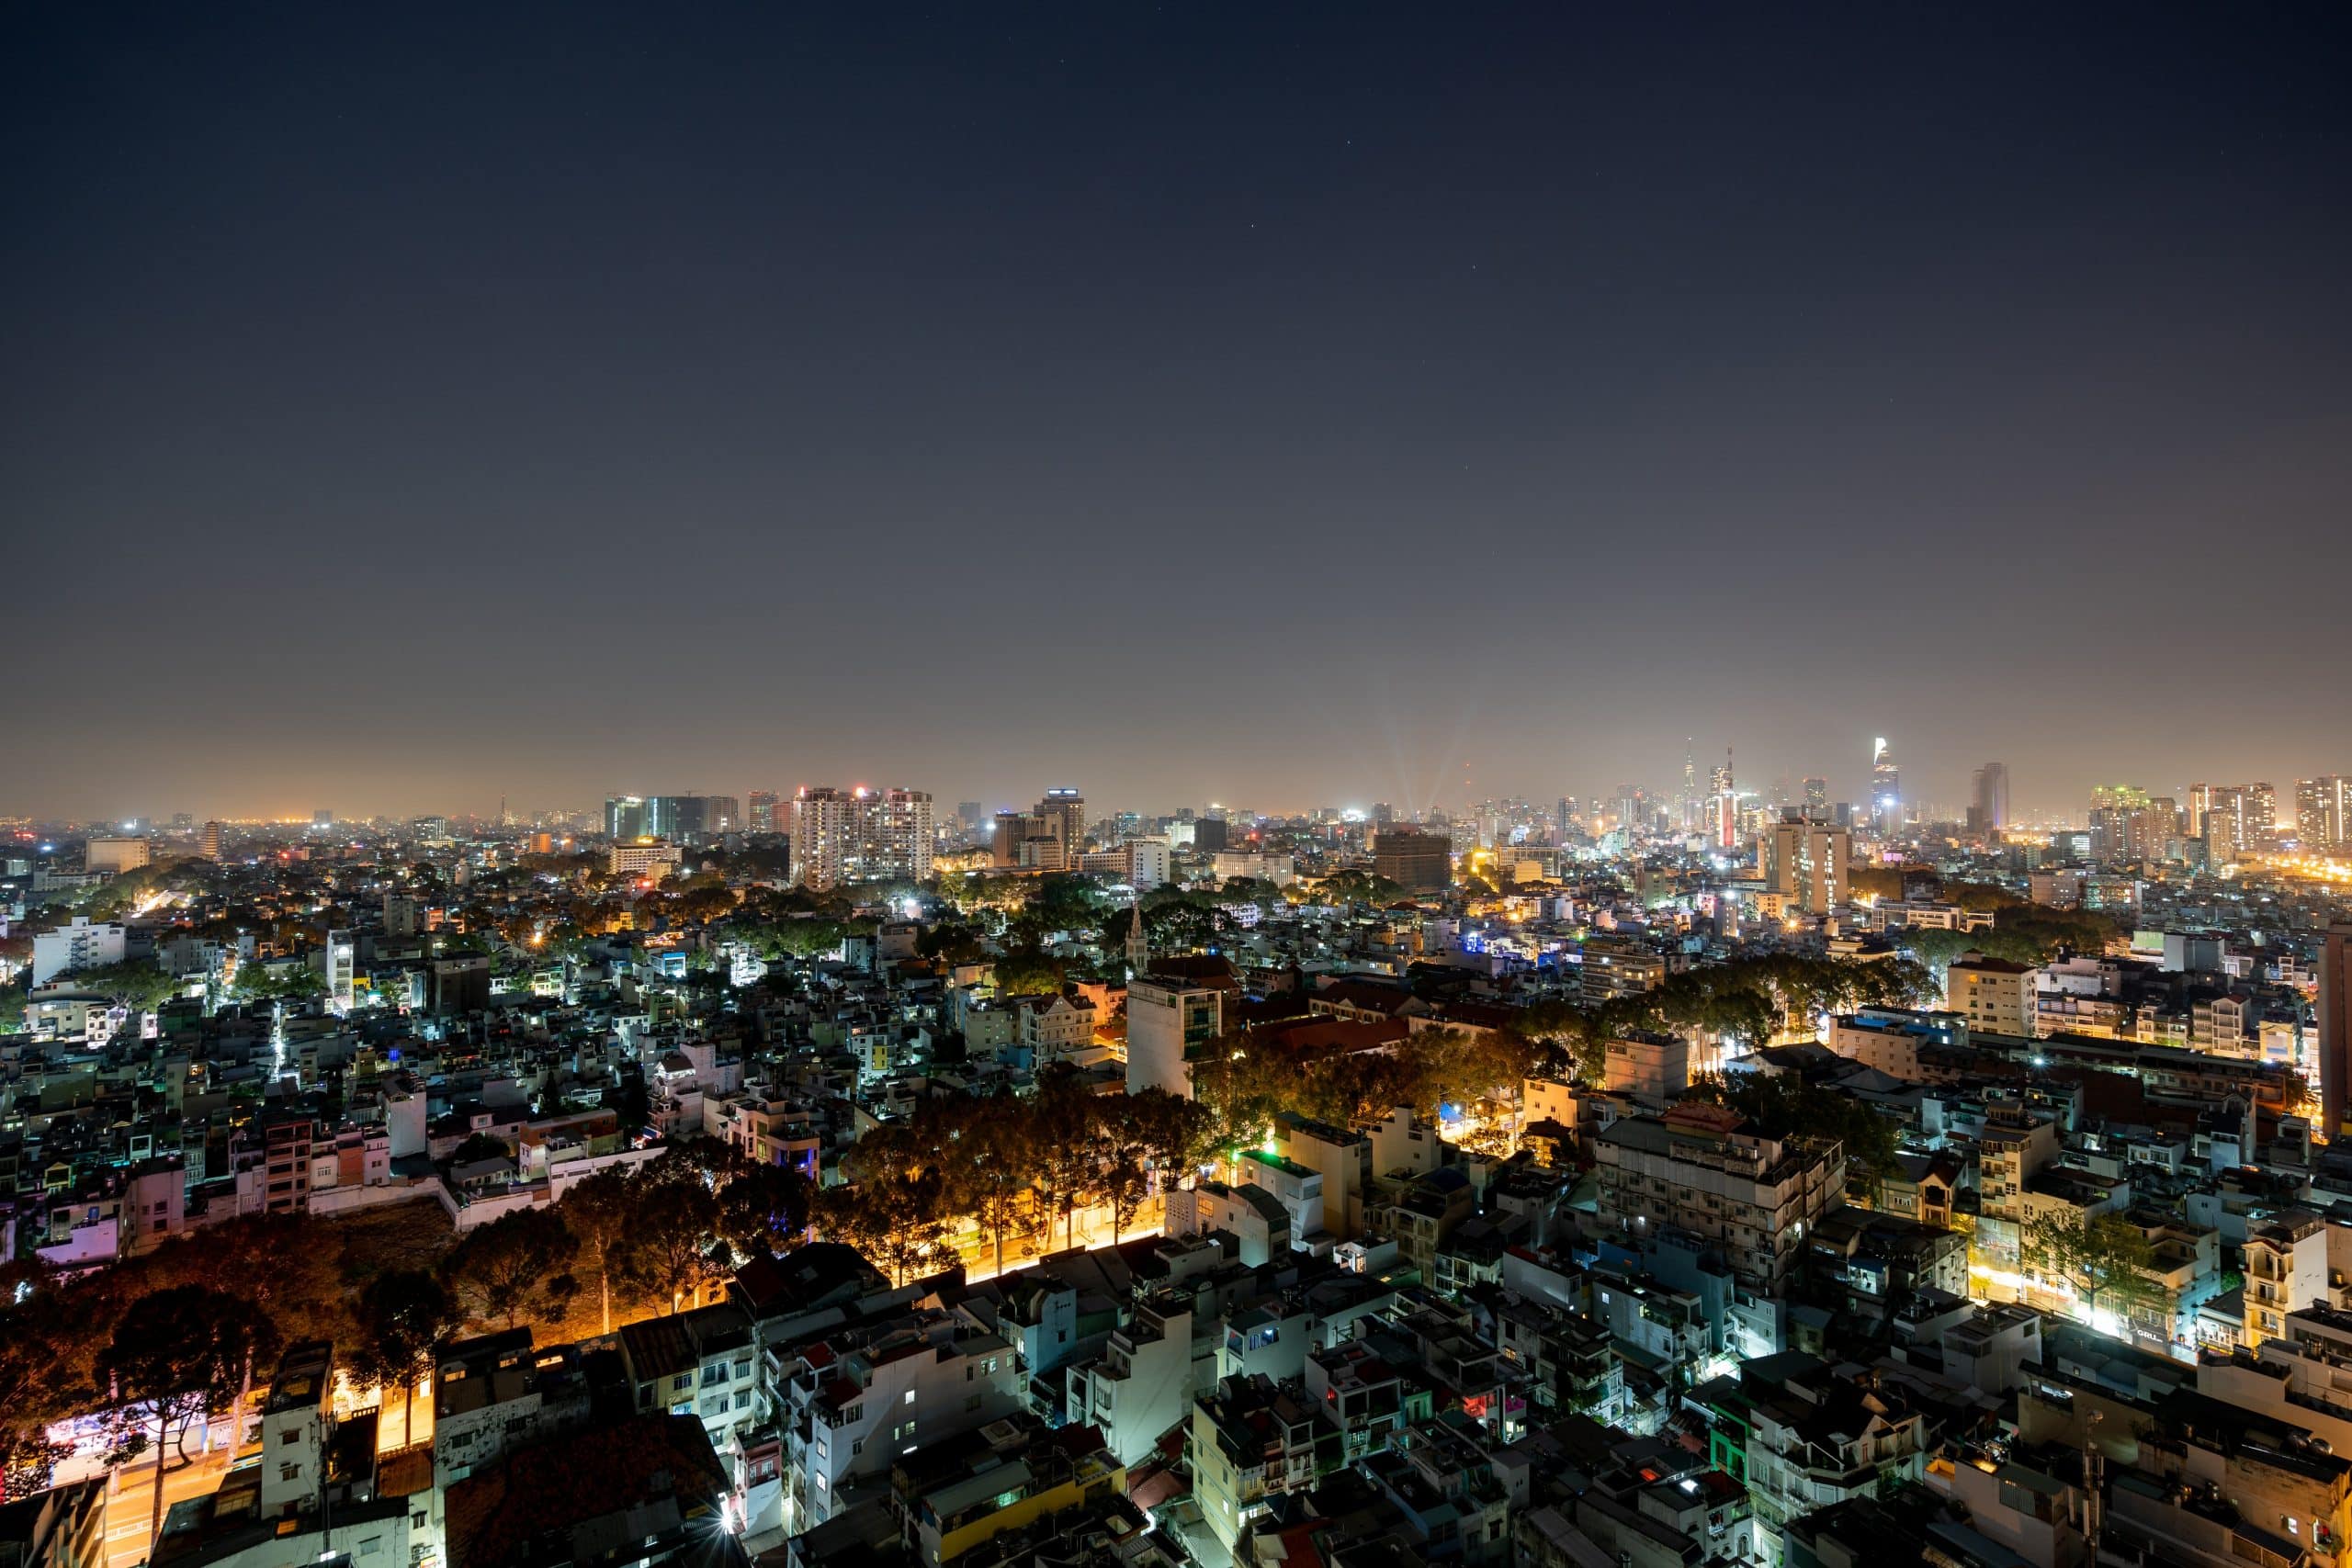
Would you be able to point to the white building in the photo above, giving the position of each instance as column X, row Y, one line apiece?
column 1055, row 1028
column 1166, row 1020
column 74, row 947
column 1992, row 994
column 1701, row 1169
column 860, row 834
column 1280, row 870
column 1654, row 1067
column 1140, row 1386
column 1147, row 863
column 655, row 860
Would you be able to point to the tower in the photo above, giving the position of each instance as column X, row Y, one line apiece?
column 1138, row 945
column 2334, row 1026
column 1886, row 789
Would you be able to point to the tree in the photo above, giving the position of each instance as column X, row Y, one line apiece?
column 132, row 985
column 1067, row 1165
column 893, row 1221
column 677, row 1214
column 601, row 1210
column 403, row 1318
column 762, row 1208
column 497, row 1268
column 182, row 1352
column 2096, row 1254
column 38, row 1378
column 990, row 1152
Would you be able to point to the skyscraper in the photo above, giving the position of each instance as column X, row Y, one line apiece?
column 2334, row 1026
column 2323, row 812
column 1886, row 789
column 2261, row 816
column 1991, row 798
column 1804, row 860
column 1065, row 809
column 761, row 803
column 1416, row 861
column 1816, row 795
column 860, row 834
column 625, row 817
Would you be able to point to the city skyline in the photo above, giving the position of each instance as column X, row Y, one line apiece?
column 1950, row 802
column 1437, row 388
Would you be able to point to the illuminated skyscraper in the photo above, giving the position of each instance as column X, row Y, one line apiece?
column 1816, row 795
column 1065, row 810
column 1886, row 789
column 860, row 834
column 2261, row 816
column 2323, row 812
column 1804, row 860
column 1991, row 809
column 761, row 803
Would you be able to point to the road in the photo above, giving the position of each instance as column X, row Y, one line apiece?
column 133, row 1499
column 1092, row 1229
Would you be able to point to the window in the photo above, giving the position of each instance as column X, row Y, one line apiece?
column 910, row 1398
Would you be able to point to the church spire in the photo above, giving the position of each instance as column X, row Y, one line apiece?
column 1138, row 946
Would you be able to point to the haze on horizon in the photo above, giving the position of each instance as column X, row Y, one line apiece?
column 407, row 407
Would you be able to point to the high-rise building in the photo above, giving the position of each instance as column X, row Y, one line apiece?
column 2334, row 1026
column 682, row 818
column 761, row 804
column 1170, row 1022
column 1990, row 810
column 1804, row 860
column 970, row 814
column 2323, row 812
column 208, row 845
column 1065, row 809
column 341, row 947
column 2261, row 816
column 114, row 854
column 1886, row 789
column 1415, row 859
column 1209, row 834
column 1816, row 795
column 860, row 834
column 625, row 817
column 2219, row 813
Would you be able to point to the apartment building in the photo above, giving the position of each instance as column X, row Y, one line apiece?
column 1703, row 1170
column 1992, row 994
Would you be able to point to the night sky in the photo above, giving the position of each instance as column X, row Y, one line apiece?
column 407, row 406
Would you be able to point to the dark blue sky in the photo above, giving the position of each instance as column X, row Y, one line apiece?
column 406, row 405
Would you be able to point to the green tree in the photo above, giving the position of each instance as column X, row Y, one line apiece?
column 762, row 1209
column 182, row 1353
column 601, row 1210
column 403, row 1318
column 2100, row 1255
column 991, row 1154
column 893, row 1221
column 134, row 984
column 499, row 1268
column 679, row 1219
